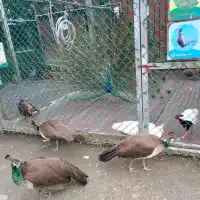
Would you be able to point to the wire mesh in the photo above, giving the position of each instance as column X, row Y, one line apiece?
column 174, row 87
column 76, row 62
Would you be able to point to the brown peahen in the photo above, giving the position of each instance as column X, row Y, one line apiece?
column 26, row 108
column 53, row 129
column 140, row 146
column 45, row 174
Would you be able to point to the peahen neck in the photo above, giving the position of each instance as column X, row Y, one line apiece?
column 17, row 175
column 36, row 127
column 166, row 143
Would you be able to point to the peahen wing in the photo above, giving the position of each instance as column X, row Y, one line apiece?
column 46, row 171
column 140, row 145
column 60, row 130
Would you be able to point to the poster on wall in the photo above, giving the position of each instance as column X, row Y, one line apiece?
column 184, row 40
column 3, row 61
column 184, row 9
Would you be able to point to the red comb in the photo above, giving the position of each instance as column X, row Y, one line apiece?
column 177, row 117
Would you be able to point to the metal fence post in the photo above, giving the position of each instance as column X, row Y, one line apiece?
column 138, row 62
column 144, row 12
column 90, row 17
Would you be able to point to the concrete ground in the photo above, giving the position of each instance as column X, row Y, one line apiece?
column 171, row 178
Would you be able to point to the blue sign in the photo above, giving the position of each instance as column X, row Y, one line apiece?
column 184, row 40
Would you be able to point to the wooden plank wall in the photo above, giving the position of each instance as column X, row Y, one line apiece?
column 158, row 25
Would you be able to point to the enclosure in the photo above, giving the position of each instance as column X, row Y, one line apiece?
column 110, row 65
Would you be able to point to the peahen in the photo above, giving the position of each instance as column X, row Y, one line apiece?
column 140, row 146
column 45, row 174
column 54, row 129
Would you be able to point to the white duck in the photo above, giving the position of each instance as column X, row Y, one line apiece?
column 131, row 128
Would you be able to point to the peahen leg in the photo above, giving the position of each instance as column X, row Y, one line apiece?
column 159, row 149
column 46, row 146
column 130, row 166
column 144, row 165
column 56, row 149
column 48, row 196
column 145, row 168
column 46, row 140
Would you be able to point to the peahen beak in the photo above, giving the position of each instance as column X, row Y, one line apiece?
column 14, row 162
column 7, row 157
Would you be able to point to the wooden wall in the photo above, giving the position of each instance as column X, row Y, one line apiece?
column 158, row 26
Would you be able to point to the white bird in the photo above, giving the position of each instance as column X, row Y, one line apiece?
column 187, row 118
column 131, row 128
column 190, row 115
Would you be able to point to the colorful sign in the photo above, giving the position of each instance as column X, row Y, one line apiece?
column 3, row 61
column 184, row 40
column 184, row 9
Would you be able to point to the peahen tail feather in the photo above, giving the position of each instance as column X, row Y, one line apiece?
column 109, row 154
column 77, row 174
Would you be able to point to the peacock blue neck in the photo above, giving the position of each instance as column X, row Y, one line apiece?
column 17, row 175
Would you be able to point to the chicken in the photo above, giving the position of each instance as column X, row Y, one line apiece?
column 45, row 174
column 53, row 129
column 131, row 128
column 187, row 118
column 26, row 108
column 141, row 146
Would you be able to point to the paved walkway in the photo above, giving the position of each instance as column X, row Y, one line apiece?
column 171, row 178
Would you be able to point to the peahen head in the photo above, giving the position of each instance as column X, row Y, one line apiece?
column 15, row 163
column 16, row 170
column 170, row 140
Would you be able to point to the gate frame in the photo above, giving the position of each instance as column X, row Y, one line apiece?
column 141, row 14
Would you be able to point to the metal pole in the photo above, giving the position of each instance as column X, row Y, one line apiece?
column 38, row 29
column 144, row 12
column 138, row 62
column 9, row 41
column 91, row 19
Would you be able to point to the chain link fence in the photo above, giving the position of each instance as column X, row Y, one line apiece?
column 75, row 59
column 173, row 82
column 95, row 63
